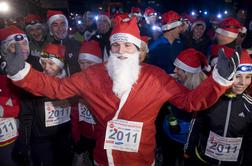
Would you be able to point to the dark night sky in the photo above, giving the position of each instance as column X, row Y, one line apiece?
column 178, row 5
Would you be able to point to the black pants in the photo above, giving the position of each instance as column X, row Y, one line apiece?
column 52, row 152
column 6, row 158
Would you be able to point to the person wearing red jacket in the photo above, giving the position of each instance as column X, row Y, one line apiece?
column 9, row 99
column 83, row 122
column 124, row 95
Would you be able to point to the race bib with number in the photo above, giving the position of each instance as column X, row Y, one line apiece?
column 123, row 135
column 84, row 114
column 223, row 148
column 8, row 129
column 56, row 114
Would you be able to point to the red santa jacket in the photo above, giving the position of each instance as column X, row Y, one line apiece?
column 147, row 95
column 10, row 107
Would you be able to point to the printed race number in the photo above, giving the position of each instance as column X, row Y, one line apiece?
column 8, row 129
column 223, row 148
column 85, row 115
column 123, row 135
column 56, row 114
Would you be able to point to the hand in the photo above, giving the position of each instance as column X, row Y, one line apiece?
column 12, row 63
column 227, row 66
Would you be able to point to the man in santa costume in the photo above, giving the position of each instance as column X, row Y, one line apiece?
column 125, row 96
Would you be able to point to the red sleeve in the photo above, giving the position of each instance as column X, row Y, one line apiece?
column 204, row 96
column 52, row 87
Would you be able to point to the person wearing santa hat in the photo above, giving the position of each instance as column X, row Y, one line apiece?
column 58, row 29
column 10, row 104
column 136, row 12
column 125, row 96
column 226, row 34
column 83, row 122
column 217, row 134
column 149, row 22
column 190, row 66
column 196, row 38
column 51, row 127
column 36, row 32
column 164, row 51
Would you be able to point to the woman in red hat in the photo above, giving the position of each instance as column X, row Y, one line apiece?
column 50, row 131
column 217, row 135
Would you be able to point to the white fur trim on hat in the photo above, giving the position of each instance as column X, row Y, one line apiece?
column 33, row 25
column 226, row 33
column 55, row 60
column 125, row 37
column 178, row 63
column 169, row 26
column 90, row 57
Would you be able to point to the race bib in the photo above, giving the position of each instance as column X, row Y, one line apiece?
column 56, row 113
column 84, row 114
column 8, row 129
column 223, row 148
column 123, row 135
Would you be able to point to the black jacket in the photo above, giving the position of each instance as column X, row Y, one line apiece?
column 214, row 120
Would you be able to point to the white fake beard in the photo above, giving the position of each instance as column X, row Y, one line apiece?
column 123, row 72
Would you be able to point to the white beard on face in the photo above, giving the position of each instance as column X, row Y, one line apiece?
column 123, row 72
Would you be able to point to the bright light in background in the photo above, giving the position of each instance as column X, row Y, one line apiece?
column 225, row 12
column 193, row 13
column 219, row 15
column 200, row 11
column 96, row 18
column 205, row 12
column 4, row 7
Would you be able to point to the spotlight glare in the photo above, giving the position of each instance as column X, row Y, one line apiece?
column 4, row 7
column 219, row 15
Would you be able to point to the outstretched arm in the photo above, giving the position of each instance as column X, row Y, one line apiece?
column 43, row 85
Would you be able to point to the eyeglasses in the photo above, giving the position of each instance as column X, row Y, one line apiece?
column 245, row 68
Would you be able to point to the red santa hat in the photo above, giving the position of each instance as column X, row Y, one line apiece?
column 245, row 65
column 149, row 12
column 104, row 17
column 145, row 40
column 192, row 61
column 90, row 50
column 11, row 34
column 214, row 49
column 229, row 27
column 54, row 52
column 126, row 30
column 170, row 20
column 32, row 20
column 53, row 15
column 136, row 11
column 199, row 21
